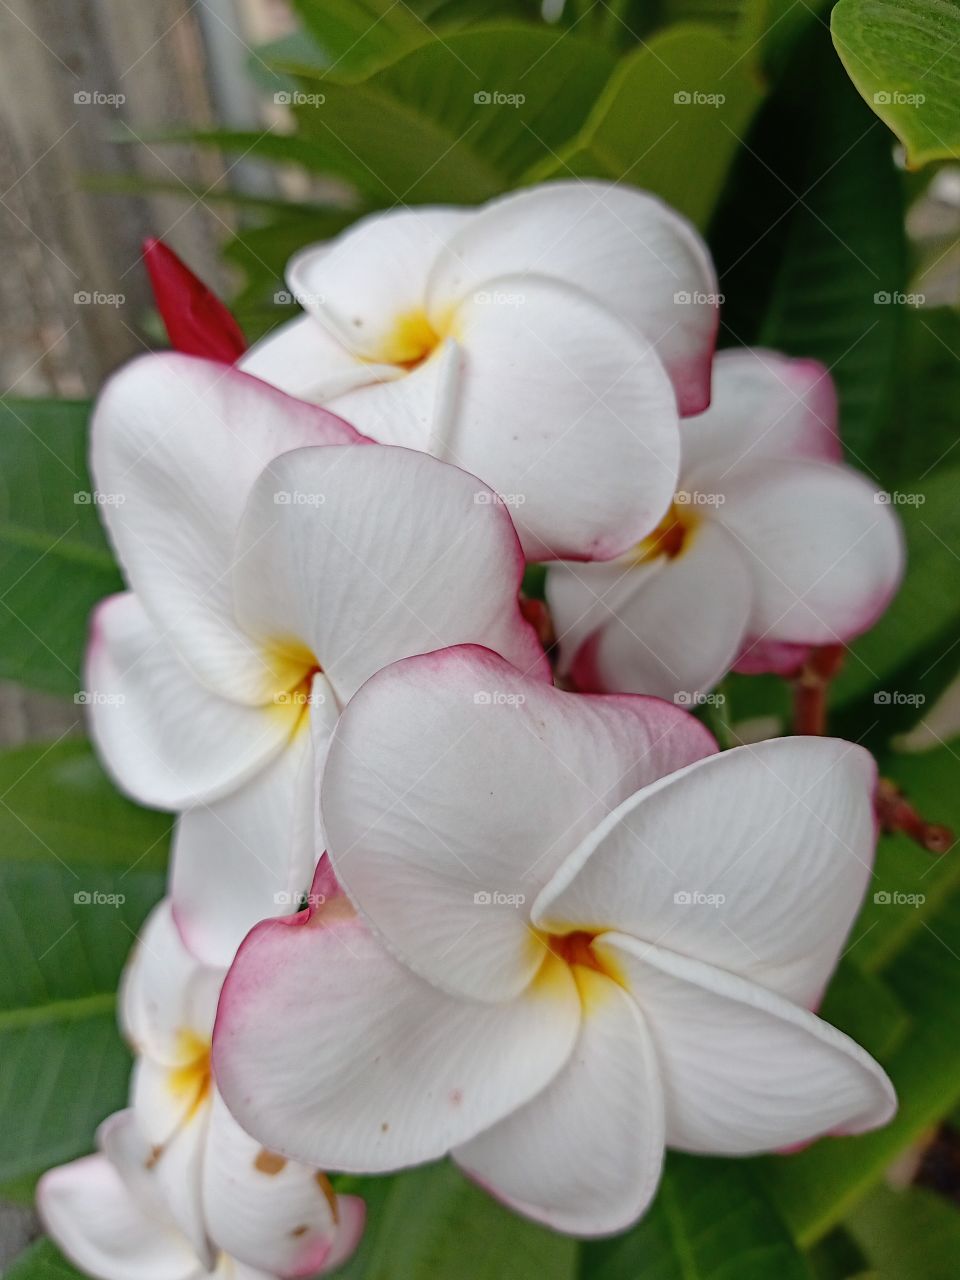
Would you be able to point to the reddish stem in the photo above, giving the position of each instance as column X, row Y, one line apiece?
column 896, row 813
column 810, row 688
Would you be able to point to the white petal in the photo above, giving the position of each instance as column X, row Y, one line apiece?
column 673, row 628
column 360, row 284
column 270, row 1213
column 555, row 400
column 168, row 998
column 755, row 860
column 455, row 787
column 304, row 360
column 765, row 406
column 176, row 445
column 436, row 567
column 585, row 1155
column 744, row 1070
column 630, row 252
column 101, row 1228
column 248, row 857
column 330, row 1051
column 165, row 739
column 824, row 554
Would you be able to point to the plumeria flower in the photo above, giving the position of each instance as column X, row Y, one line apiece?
column 771, row 545
column 568, row 935
column 533, row 342
column 178, row 1190
column 268, row 580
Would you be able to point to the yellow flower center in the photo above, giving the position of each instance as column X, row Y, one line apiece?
column 190, row 1082
column 670, row 538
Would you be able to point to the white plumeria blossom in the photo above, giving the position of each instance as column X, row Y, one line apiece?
column 275, row 560
column 543, row 342
column 772, row 544
column 178, row 1191
column 558, row 933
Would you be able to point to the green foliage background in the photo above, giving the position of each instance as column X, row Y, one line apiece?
column 790, row 171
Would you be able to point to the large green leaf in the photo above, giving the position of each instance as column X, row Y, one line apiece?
column 80, row 867
column 670, row 120
column 802, row 256
column 710, row 1221
column 64, row 935
column 432, row 1224
column 456, row 119
column 904, row 57
column 54, row 560
column 911, row 1234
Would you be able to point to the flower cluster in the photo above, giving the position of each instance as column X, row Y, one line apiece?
column 425, row 899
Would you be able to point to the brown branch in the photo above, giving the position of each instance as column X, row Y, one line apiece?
column 810, row 688
column 896, row 813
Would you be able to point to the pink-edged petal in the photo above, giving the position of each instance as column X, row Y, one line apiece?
column 675, row 634
column 304, row 360
column 177, row 443
column 165, row 739
column 455, row 787
column 583, row 1157
column 755, row 860
column 98, row 1224
column 765, row 406
column 330, row 1051
column 778, row 657
column 630, row 252
column 168, row 998
column 439, row 565
column 550, row 400
column 247, row 857
column 267, row 1211
column 825, row 556
column 373, row 275
column 744, row 1070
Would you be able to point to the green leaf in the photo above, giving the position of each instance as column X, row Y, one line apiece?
column 42, row 1261
column 58, row 807
column 457, row 119
column 801, row 255
column 922, row 435
column 910, row 1234
column 432, row 1224
column 353, row 34
column 904, row 57
column 710, row 1221
column 670, row 120
column 54, row 560
column 863, row 1006
column 64, row 936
